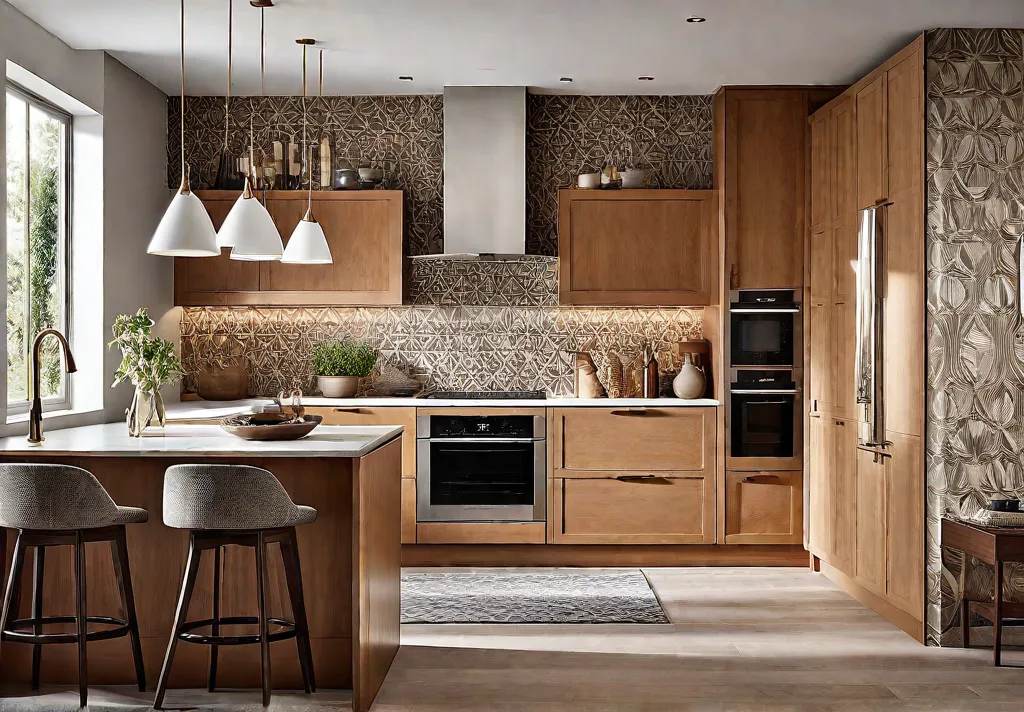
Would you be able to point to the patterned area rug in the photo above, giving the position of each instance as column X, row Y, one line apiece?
column 529, row 597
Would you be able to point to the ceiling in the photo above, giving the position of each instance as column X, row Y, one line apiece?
column 604, row 45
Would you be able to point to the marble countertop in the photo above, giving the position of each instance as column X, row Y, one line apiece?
column 198, row 409
column 111, row 440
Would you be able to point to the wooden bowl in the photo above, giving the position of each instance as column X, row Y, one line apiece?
column 243, row 427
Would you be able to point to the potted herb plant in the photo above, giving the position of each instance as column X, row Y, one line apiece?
column 339, row 364
column 149, row 363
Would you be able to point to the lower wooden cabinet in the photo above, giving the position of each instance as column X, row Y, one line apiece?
column 844, row 495
column 764, row 507
column 904, row 528
column 637, row 509
column 870, row 571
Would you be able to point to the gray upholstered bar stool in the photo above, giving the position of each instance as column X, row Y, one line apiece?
column 242, row 506
column 61, row 505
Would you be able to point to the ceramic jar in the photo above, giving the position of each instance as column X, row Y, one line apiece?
column 690, row 383
column 338, row 386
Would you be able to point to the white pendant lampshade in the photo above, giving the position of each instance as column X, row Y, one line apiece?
column 308, row 244
column 250, row 231
column 185, row 229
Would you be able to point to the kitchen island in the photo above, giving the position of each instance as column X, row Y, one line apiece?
column 351, row 557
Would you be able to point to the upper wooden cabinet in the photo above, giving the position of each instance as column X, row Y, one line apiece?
column 637, row 247
column 364, row 232
column 872, row 163
column 760, row 169
column 843, row 150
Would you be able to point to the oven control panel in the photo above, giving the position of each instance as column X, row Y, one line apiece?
column 482, row 426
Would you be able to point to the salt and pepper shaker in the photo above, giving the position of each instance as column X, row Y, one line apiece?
column 650, row 370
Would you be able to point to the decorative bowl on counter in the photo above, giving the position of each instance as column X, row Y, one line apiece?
column 270, row 426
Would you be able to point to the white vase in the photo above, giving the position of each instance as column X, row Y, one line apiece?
column 338, row 386
column 690, row 382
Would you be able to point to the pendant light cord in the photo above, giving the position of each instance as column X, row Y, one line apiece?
column 184, row 175
column 305, row 142
column 227, row 97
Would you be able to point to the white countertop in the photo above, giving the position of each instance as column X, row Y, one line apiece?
column 112, row 440
column 198, row 409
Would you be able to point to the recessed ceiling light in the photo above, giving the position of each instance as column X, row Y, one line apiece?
column 565, row 80
column 645, row 78
column 405, row 78
column 696, row 18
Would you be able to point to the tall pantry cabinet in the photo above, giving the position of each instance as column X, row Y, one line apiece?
column 866, row 509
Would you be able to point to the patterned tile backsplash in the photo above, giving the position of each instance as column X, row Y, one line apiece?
column 670, row 136
column 448, row 347
column 975, row 382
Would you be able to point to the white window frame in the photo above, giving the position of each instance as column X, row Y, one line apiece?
column 32, row 100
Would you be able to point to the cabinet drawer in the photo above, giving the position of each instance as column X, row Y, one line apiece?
column 358, row 415
column 605, row 442
column 641, row 510
column 764, row 508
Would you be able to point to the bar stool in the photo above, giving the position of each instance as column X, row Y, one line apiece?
column 244, row 506
column 61, row 505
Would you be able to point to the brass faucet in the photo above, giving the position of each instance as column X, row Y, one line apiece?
column 35, row 415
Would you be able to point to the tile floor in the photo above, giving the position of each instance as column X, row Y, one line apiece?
column 741, row 640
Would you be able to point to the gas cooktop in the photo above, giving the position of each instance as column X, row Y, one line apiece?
column 487, row 395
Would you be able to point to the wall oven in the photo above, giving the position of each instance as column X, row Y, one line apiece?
column 481, row 468
column 764, row 420
column 765, row 327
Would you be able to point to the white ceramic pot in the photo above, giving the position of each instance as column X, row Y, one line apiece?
column 338, row 386
column 690, row 383
column 588, row 181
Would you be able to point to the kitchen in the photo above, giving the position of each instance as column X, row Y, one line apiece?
column 593, row 344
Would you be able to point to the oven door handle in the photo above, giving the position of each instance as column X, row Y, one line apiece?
column 484, row 440
column 766, row 392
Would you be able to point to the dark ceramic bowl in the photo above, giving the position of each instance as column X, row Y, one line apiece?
column 1004, row 505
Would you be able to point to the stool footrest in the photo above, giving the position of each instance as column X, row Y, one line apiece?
column 185, row 634
column 15, row 632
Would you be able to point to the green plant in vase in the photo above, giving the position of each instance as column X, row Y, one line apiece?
column 149, row 363
column 339, row 364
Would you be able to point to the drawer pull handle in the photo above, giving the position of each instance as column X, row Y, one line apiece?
column 348, row 410
column 630, row 411
column 649, row 479
column 762, row 480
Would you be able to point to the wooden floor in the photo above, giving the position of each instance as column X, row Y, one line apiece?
column 741, row 640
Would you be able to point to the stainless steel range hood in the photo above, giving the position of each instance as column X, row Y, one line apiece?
column 484, row 172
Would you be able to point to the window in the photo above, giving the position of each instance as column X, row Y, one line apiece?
column 38, row 171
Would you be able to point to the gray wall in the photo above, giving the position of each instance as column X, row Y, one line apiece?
column 975, row 211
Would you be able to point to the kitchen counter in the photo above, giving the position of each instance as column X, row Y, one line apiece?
column 112, row 440
column 351, row 554
column 201, row 410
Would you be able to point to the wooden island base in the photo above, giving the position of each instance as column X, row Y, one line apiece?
column 350, row 560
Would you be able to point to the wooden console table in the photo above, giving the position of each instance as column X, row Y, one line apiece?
column 994, row 546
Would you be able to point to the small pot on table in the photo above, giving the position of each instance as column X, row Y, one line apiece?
column 338, row 386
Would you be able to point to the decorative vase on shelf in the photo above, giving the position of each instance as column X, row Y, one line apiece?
column 146, row 410
column 690, row 382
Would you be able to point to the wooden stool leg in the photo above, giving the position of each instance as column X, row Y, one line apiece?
column 211, row 682
column 38, row 565
column 12, row 598
column 293, row 575
column 261, row 586
column 80, row 615
column 997, row 624
column 965, row 621
column 188, row 583
column 123, row 573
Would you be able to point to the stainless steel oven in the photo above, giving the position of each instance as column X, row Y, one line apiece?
column 765, row 327
column 764, row 420
column 480, row 468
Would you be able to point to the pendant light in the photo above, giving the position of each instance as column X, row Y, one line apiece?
column 248, row 229
column 185, row 229
column 308, row 244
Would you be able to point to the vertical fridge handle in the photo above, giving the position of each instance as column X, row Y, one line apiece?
column 870, row 353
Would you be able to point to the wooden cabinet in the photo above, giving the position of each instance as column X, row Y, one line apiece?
column 641, row 475
column 844, row 261
column 871, row 519
column 637, row 247
column 843, row 495
column 843, row 151
column 821, row 192
column 904, row 519
column 761, row 169
column 844, row 333
column 820, row 535
column 764, row 507
column 872, row 163
column 211, row 280
column 822, row 267
column 386, row 416
column 364, row 232
column 822, row 367
column 634, row 509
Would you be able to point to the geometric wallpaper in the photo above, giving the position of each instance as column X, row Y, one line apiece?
column 669, row 136
column 975, row 338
